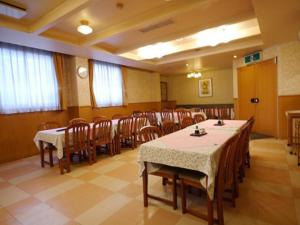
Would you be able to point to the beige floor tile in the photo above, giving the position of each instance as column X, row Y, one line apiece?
column 42, row 214
column 269, row 164
column 6, row 218
column 109, row 167
column 128, row 172
column 109, row 183
column 88, row 176
column 132, row 190
column 78, row 172
column 161, row 217
column 270, row 187
column 58, row 189
column 13, row 165
column 18, row 171
column 11, row 195
column 29, row 176
column 103, row 210
column 42, row 183
column 77, row 200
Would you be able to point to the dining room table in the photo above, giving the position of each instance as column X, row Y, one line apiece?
column 56, row 137
column 198, row 153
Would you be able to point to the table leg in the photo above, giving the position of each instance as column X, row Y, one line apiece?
column 51, row 157
column 145, row 185
column 42, row 153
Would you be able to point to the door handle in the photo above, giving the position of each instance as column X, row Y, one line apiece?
column 254, row 100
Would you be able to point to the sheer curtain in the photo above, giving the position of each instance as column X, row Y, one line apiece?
column 27, row 80
column 107, row 84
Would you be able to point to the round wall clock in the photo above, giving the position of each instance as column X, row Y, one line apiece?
column 82, row 71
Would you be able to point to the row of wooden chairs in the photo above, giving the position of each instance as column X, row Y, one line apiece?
column 233, row 159
column 217, row 112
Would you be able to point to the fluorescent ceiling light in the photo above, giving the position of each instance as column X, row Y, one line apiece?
column 13, row 11
column 84, row 28
column 205, row 38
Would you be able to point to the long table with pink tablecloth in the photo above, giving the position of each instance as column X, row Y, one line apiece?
column 179, row 149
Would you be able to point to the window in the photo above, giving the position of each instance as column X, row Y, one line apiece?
column 107, row 84
column 27, row 80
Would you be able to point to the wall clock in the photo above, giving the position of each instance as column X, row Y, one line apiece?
column 82, row 72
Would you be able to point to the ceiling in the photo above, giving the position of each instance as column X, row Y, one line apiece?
column 122, row 26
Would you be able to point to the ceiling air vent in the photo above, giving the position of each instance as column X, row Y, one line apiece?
column 156, row 26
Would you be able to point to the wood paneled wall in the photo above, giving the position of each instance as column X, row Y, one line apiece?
column 18, row 130
column 286, row 103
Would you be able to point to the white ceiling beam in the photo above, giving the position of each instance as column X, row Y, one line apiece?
column 66, row 9
column 147, row 18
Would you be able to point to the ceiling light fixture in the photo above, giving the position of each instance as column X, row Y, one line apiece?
column 84, row 28
column 194, row 75
column 235, row 56
column 13, row 11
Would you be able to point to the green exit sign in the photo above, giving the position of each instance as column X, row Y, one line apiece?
column 254, row 57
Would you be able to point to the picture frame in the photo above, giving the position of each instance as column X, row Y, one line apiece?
column 205, row 87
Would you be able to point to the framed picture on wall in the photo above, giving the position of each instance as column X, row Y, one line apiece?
column 205, row 87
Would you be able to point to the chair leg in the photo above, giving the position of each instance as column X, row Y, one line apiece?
column 174, row 192
column 110, row 148
column 220, row 210
column 210, row 211
column 183, row 196
column 248, row 159
column 164, row 181
column 61, row 166
column 145, row 186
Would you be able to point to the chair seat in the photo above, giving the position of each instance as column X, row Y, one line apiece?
column 192, row 176
column 165, row 171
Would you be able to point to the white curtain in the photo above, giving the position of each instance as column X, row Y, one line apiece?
column 27, row 80
column 107, row 84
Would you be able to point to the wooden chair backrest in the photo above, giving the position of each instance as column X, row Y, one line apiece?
column 151, row 115
column 167, row 114
column 224, row 113
column 125, row 127
column 149, row 133
column 77, row 137
column 137, row 113
column 168, row 127
column 186, row 122
column 198, row 118
column 48, row 125
column 241, row 145
column 101, row 133
column 226, row 167
column 182, row 114
column 139, row 122
column 77, row 120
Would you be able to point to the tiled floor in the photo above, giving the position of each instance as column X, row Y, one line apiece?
column 110, row 192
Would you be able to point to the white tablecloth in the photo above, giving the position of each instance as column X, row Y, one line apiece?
column 57, row 138
column 179, row 149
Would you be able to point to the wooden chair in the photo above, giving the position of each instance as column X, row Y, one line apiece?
column 181, row 114
column 223, row 180
column 97, row 118
column 139, row 122
column 124, row 133
column 117, row 116
column 77, row 140
column 137, row 113
column 150, row 133
column 49, row 147
column 198, row 118
column 151, row 116
column 186, row 122
column 224, row 113
column 168, row 127
column 167, row 114
column 77, row 120
column 101, row 135
column 251, row 122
